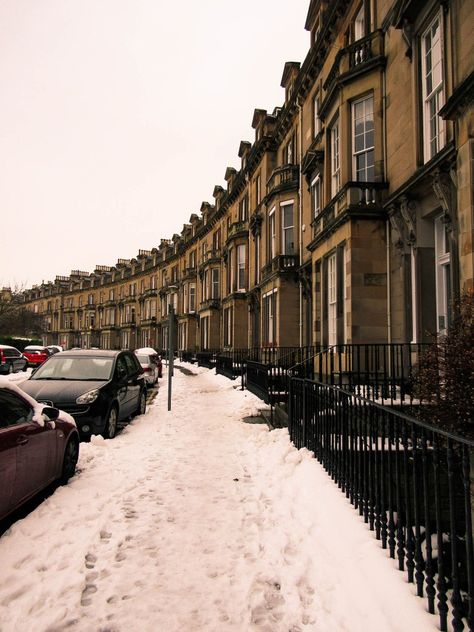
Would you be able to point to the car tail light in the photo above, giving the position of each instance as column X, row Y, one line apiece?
column 2, row 358
column 147, row 369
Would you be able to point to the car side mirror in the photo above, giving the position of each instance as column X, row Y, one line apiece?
column 50, row 413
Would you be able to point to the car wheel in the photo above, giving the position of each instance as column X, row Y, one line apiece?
column 141, row 410
column 71, row 454
column 111, row 423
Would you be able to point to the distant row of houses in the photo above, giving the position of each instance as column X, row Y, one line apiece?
column 350, row 218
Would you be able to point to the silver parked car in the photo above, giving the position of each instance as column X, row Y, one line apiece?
column 11, row 360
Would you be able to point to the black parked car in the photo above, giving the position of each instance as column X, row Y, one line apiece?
column 98, row 388
column 11, row 360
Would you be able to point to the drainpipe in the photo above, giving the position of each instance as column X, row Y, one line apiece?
column 300, row 217
column 387, row 222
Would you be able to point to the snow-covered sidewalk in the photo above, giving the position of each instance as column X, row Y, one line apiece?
column 195, row 521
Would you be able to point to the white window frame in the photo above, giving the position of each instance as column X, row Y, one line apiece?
column 316, row 195
column 285, row 228
column 414, row 296
column 367, row 150
column 269, row 311
column 192, row 298
column 231, row 264
column 432, row 86
column 228, row 326
column 359, row 24
column 335, row 158
column 443, row 262
column 215, row 293
column 205, row 332
column 257, row 258
column 241, row 265
column 272, row 233
column 258, row 189
column 332, row 300
column 316, row 119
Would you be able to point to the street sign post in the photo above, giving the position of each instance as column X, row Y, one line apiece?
column 170, row 352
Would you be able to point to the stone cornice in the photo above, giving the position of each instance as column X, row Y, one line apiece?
column 462, row 97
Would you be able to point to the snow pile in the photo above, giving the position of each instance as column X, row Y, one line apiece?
column 194, row 521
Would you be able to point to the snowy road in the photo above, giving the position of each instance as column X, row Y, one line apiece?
column 195, row 521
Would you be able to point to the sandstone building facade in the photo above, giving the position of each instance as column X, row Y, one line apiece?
column 350, row 219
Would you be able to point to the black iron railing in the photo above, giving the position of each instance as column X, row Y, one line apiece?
column 185, row 355
column 410, row 481
column 267, row 381
column 278, row 355
column 207, row 358
column 267, row 375
column 232, row 363
column 385, row 373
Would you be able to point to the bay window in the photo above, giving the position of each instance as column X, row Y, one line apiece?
column 287, row 227
column 215, row 283
column 241, row 268
column 271, row 234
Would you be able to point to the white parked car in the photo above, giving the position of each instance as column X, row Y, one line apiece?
column 150, row 361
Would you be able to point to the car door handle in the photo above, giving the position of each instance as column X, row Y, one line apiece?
column 22, row 440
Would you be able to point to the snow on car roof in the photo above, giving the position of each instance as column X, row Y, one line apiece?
column 5, row 382
column 146, row 350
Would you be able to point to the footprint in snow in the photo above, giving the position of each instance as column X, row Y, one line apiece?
column 90, row 560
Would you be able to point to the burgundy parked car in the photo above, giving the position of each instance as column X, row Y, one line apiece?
column 36, row 355
column 38, row 445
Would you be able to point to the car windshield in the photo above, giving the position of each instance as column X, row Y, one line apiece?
column 60, row 368
column 143, row 359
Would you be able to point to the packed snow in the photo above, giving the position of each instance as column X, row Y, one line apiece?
column 194, row 520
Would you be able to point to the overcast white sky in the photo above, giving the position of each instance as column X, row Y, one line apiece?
column 118, row 117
